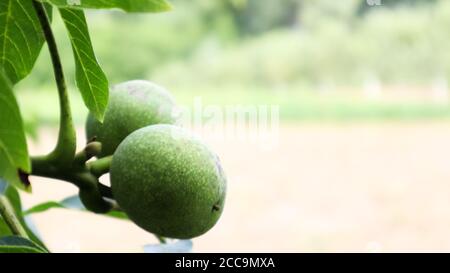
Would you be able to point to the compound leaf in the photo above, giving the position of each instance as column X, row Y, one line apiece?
column 21, row 37
column 90, row 78
column 4, row 229
column 16, row 244
column 43, row 207
column 13, row 196
column 72, row 202
column 13, row 146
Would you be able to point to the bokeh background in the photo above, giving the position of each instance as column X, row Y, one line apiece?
column 362, row 161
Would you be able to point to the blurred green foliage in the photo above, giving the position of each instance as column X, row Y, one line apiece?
column 263, row 46
column 331, row 43
column 269, row 42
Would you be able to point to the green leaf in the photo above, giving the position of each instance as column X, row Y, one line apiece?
column 43, row 207
column 13, row 146
column 19, row 249
column 16, row 244
column 21, row 37
column 72, row 202
column 90, row 78
column 13, row 196
column 4, row 229
column 126, row 5
column 117, row 214
column 8, row 171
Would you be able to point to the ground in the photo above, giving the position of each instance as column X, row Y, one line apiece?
column 379, row 186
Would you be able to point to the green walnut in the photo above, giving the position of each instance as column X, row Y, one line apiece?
column 132, row 105
column 168, row 182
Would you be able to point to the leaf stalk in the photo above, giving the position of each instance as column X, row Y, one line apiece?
column 9, row 215
column 64, row 152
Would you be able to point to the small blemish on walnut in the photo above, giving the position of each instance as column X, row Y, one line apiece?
column 215, row 208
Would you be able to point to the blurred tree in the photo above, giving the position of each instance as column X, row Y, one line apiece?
column 258, row 16
column 253, row 41
column 249, row 17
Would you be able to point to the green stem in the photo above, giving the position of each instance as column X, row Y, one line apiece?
column 90, row 193
column 92, row 149
column 161, row 239
column 64, row 151
column 8, row 214
column 101, row 166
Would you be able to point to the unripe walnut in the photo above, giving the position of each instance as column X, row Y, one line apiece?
column 132, row 105
column 168, row 182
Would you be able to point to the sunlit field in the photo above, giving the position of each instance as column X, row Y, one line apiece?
column 327, row 187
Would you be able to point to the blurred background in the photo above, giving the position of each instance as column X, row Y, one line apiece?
column 361, row 161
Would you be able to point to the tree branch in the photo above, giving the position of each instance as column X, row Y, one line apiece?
column 90, row 192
